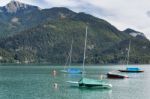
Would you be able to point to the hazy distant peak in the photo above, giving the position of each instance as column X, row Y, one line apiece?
column 128, row 30
column 134, row 33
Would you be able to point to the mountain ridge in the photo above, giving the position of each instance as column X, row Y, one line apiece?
column 43, row 36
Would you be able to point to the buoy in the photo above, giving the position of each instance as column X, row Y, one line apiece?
column 54, row 72
column 55, row 85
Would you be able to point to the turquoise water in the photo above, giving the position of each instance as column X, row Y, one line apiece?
column 37, row 82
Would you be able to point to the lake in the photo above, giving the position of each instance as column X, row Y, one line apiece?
column 37, row 82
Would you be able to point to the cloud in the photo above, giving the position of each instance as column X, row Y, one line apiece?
column 148, row 13
column 3, row 2
column 120, row 13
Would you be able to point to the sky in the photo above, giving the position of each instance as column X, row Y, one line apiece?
column 122, row 14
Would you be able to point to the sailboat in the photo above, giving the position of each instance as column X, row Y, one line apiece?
column 69, row 69
column 131, row 69
column 87, row 82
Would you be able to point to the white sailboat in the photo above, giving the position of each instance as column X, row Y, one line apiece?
column 131, row 69
column 87, row 82
column 69, row 69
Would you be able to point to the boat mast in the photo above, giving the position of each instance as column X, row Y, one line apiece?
column 70, row 54
column 66, row 61
column 84, row 53
column 128, row 52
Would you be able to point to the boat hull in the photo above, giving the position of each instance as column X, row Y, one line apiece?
column 116, row 76
column 102, row 86
column 131, row 71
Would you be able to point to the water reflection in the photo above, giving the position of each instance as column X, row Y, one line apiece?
column 87, row 93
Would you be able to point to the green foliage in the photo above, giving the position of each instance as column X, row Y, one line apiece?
column 49, row 40
column 6, row 57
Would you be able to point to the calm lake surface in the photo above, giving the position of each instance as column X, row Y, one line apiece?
column 37, row 82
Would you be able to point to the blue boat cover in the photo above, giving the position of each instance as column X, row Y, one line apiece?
column 74, row 70
column 133, row 69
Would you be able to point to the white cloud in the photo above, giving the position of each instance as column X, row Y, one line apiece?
column 121, row 13
column 3, row 2
column 148, row 13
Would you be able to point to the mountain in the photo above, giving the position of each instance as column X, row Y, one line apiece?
column 45, row 35
column 17, row 16
column 15, row 7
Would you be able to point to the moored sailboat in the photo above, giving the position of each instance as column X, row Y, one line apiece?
column 131, row 69
column 69, row 69
column 87, row 82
